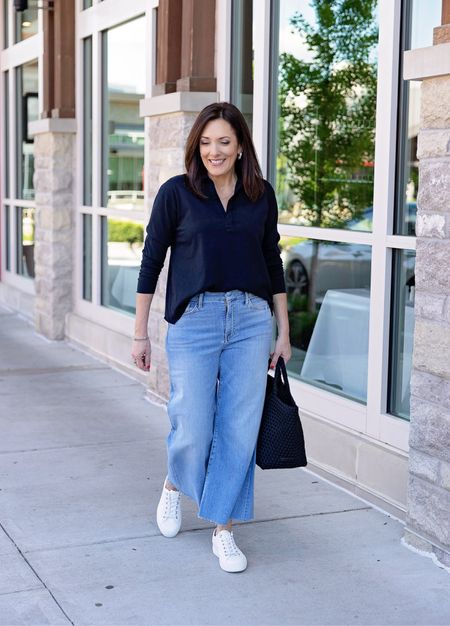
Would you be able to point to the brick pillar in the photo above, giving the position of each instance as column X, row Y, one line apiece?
column 428, row 508
column 54, row 232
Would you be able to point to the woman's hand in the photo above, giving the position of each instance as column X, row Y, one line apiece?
column 141, row 354
column 282, row 348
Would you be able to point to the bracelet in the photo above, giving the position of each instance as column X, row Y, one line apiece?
column 141, row 338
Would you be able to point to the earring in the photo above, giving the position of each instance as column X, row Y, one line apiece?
column 240, row 155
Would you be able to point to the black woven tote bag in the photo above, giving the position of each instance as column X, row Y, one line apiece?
column 280, row 441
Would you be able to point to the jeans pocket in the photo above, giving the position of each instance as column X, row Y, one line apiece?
column 192, row 306
column 257, row 303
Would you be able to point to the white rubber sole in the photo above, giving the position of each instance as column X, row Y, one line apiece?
column 229, row 567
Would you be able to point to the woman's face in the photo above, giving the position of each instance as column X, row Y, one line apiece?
column 219, row 147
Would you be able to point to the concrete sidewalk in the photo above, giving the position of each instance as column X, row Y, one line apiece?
column 82, row 460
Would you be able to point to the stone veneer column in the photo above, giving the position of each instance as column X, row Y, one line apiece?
column 428, row 508
column 54, row 225
column 167, row 133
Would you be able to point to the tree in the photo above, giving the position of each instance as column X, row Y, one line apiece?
column 327, row 116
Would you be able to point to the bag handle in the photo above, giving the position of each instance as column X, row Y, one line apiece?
column 281, row 376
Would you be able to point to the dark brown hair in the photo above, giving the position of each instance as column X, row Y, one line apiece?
column 247, row 167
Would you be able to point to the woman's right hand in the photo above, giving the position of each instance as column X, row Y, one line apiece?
column 141, row 354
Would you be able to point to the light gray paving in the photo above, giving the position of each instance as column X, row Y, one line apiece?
column 82, row 460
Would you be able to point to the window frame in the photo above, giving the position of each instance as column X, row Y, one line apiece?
column 371, row 420
column 11, row 58
column 92, row 22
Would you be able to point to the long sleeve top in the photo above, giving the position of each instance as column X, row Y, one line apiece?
column 211, row 249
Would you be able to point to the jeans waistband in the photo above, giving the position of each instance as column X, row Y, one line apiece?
column 222, row 296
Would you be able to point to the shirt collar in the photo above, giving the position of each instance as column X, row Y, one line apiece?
column 209, row 187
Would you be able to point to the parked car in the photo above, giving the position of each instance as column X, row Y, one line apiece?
column 340, row 265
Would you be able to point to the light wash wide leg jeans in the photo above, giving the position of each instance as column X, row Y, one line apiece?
column 218, row 355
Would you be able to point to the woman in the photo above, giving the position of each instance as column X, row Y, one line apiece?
column 225, row 280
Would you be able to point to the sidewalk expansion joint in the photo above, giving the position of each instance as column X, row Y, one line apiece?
column 35, row 573
column 33, row 371
column 92, row 444
column 157, row 534
column 10, row 593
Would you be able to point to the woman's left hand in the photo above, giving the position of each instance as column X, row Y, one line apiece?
column 282, row 348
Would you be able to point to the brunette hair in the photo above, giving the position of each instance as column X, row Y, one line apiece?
column 247, row 167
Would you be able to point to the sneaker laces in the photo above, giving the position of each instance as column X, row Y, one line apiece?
column 229, row 546
column 172, row 503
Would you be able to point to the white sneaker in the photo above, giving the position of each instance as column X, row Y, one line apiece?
column 231, row 559
column 168, row 513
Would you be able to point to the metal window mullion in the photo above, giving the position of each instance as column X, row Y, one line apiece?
column 384, row 193
column 96, row 162
column 261, row 18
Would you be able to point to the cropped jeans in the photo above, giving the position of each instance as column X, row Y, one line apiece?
column 218, row 355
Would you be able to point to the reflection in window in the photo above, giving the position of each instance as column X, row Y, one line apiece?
column 424, row 16
column 27, row 110
column 8, row 237
column 402, row 329
column 122, row 244
column 242, row 58
column 123, row 128
column 87, row 257
column 328, row 291
column 323, row 110
column 6, row 132
column 407, row 163
column 87, row 122
column 25, row 241
column 6, row 9
column 26, row 24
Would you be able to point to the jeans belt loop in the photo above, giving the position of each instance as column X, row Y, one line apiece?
column 200, row 300
column 247, row 298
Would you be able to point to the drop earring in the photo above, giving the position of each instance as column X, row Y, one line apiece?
column 240, row 155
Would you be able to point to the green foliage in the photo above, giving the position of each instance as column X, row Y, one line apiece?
column 125, row 230
column 327, row 112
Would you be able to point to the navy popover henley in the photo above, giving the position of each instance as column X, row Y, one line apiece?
column 211, row 249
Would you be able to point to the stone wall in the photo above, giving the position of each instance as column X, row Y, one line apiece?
column 428, row 514
column 54, row 234
column 166, row 138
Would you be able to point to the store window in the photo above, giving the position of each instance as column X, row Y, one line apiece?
column 87, row 257
column 123, row 130
column 402, row 331
column 7, row 238
column 324, row 81
column 87, row 4
column 419, row 17
column 27, row 110
column 87, row 121
column 25, row 241
column 242, row 58
column 123, row 51
column 6, row 138
column 6, row 10
column 122, row 244
column 26, row 24
column 328, row 289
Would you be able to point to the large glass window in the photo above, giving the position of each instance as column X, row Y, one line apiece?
column 402, row 330
column 6, row 132
column 419, row 17
column 27, row 110
column 123, row 128
column 242, row 58
column 87, row 257
column 328, row 289
column 122, row 244
column 26, row 23
column 323, row 111
column 7, row 237
column 6, row 9
column 25, row 241
column 87, row 121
